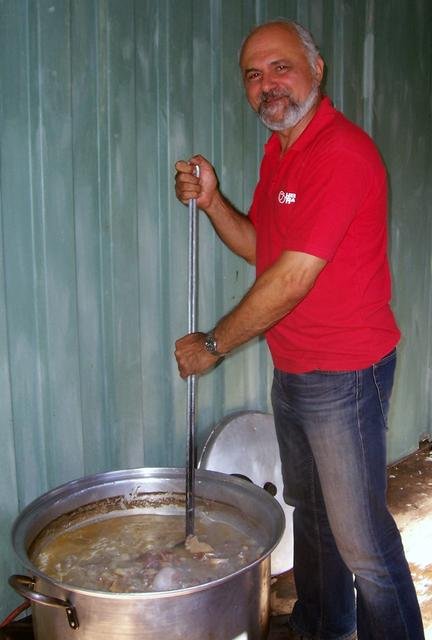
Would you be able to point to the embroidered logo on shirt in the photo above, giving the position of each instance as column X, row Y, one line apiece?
column 286, row 197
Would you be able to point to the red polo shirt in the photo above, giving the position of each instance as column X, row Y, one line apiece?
column 327, row 196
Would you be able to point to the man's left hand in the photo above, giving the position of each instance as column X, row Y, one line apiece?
column 192, row 356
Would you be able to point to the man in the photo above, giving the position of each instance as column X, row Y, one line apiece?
column 316, row 231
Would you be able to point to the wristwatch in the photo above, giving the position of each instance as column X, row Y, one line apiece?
column 210, row 345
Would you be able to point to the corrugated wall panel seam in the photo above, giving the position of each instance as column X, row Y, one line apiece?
column 30, row 173
column 140, row 404
column 41, row 300
column 339, row 45
column 108, row 247
column 6, row 392
column 162, row 283
column 8, row 451
column 217, row 124
column 100, row 54
column 368, row 69
column 39, row 150
column 166, row 282
column 108, row 251
column 39, row 410
column 81, row 426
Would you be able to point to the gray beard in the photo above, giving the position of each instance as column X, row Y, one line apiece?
column 294, row 112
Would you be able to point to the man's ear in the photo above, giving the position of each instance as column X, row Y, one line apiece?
column 319, row 69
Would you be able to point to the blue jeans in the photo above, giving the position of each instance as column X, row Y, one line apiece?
column 331, row 429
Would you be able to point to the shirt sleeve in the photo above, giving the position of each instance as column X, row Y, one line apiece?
column 332, row 190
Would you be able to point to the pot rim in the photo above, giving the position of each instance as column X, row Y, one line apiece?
column 80, row 485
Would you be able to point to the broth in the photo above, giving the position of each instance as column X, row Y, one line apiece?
column 134, row 553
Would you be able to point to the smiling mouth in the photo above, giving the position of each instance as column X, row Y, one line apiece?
column 274, row 99
column 270, row 99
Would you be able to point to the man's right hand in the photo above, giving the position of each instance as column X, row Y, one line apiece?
column 188, row 186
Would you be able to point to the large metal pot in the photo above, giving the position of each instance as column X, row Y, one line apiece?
column 235, row 607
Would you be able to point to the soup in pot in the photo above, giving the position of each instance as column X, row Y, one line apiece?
column 128, row 552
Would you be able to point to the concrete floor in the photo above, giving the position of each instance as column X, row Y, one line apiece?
column 410, row 501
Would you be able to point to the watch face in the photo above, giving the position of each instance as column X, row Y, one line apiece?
column 210, row 343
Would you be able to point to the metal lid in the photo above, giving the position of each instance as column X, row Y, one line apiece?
column 245, row 444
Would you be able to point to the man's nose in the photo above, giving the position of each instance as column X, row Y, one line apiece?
column 268, row 82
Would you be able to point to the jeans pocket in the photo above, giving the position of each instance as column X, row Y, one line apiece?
column 383, row 374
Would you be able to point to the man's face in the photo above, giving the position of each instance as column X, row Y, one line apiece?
column 281, row 86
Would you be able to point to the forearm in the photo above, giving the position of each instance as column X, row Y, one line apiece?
column 233, row 228
column 259, row 310
column 274, row 294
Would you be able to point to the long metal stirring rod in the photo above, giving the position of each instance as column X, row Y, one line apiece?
column 191, row 381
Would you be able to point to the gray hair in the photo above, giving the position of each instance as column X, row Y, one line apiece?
column 305, row 37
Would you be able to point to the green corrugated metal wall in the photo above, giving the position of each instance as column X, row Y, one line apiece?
column 98, row 99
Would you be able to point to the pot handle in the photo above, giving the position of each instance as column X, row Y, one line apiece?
column 24, row 585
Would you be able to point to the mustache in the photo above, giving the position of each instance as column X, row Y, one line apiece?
column 267, row 96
